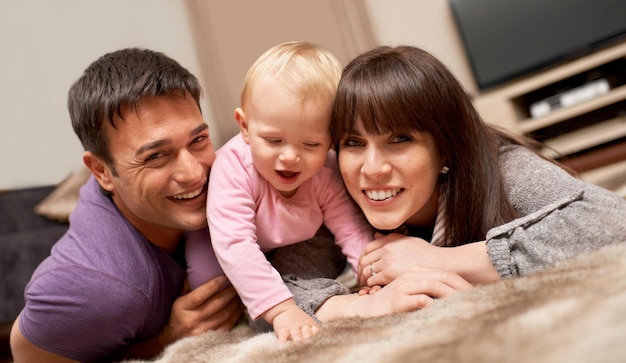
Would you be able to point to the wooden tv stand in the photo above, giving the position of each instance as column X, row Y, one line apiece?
column 590, row 135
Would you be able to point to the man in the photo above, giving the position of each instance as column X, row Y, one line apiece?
column 111, row 287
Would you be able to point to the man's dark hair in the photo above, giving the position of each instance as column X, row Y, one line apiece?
column 119, row 80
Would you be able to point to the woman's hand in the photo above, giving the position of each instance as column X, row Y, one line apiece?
column 410, row 291
column 389, row 256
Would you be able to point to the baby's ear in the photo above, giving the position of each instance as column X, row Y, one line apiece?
column 240, row 117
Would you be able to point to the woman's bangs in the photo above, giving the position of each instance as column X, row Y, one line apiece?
column 375, row 107
column 382, row 98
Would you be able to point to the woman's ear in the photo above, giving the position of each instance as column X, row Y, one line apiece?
column 444, row 168
column 240, row 116
column 100, row 171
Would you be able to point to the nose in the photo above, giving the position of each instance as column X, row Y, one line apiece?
column 375, row 164
column 289, row 155
column 188, row 168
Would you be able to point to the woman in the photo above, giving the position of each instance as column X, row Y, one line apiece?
column 472, row 203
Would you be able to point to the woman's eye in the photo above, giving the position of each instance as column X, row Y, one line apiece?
column 351, row 142
column 401, row 138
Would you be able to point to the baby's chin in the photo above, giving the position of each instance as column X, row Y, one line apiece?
column 287, row 192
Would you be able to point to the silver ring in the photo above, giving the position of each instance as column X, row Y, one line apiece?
column 372, row 270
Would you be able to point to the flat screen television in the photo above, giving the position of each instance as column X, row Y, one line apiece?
column 506, row 39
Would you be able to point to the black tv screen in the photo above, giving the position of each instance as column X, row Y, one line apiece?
column 506, row 39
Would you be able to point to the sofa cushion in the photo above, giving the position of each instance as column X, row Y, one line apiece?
column 63, row 199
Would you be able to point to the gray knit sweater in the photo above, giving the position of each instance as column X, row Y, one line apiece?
column 562, row 216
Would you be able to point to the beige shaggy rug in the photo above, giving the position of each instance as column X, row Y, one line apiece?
column 575, row 312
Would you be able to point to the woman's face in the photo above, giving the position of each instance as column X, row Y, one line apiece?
column 392, row 177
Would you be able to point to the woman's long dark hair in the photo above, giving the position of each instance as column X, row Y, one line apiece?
column 405, row 88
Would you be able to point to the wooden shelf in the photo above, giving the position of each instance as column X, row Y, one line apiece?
column 615, row 95
column 587, row 135
column 596, row 158
column 612, row 177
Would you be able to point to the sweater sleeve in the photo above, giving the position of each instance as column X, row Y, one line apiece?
column 309, row 270
column 561, row 216
column 231, row 213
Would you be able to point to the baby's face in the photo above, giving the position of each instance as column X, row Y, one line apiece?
column 289, row 136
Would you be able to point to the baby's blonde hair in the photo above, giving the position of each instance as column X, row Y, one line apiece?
column 304, row 68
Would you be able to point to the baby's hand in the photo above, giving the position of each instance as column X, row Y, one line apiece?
column 290, row 322
column 294, row 324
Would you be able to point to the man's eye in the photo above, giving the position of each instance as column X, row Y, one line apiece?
column 153, row 157
column 199, row 143
column 199, row 139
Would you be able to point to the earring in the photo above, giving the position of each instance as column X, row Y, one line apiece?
column 444, row 170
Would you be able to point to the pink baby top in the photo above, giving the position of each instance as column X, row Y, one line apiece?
column 248, row 217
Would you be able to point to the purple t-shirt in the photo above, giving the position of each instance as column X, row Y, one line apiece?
column 103, row 286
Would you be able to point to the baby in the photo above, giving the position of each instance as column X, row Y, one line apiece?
column 276, row 182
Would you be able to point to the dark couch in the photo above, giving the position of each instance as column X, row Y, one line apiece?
column 33, row 219
column 25, row 240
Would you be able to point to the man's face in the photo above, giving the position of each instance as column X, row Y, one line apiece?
column 162, row 154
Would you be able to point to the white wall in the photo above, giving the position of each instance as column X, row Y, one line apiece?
column 428, row 24
column 45, row 47
column 47, row 44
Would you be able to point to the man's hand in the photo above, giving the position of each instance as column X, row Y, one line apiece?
column 211, row 306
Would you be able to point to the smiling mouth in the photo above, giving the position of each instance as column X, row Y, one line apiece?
column 382, row 194
column 287, row 174
column 189, row 195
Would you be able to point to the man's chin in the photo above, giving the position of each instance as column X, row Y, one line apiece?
column 195, row 227
column 192, row 223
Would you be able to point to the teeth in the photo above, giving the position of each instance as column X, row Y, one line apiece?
column 188, row 195
column 381, row 194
